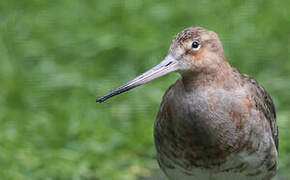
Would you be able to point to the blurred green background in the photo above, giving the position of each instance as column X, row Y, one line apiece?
column 56, row 57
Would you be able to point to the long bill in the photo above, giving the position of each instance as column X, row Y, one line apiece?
column 166, row 66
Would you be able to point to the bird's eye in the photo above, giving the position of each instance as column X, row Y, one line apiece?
column 195, row 45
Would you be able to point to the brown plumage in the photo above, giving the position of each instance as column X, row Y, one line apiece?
column 214, row 122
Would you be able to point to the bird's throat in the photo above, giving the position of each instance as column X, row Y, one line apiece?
column 215, row 77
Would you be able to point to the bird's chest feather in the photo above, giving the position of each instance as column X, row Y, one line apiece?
column 205, row 119
column 203, row 129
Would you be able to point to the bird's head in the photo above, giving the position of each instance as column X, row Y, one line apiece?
column 193, row 50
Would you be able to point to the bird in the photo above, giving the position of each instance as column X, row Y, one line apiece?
column 214, row 123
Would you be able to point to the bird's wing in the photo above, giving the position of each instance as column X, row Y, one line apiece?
column 265, row 104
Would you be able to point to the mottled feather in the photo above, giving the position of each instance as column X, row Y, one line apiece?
column 264, row 103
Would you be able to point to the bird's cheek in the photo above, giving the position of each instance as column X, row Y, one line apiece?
column 185, row 61
column 194, row 61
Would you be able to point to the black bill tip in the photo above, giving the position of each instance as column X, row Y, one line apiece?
column 105, row 97
column 100, row 100
column 115, row 92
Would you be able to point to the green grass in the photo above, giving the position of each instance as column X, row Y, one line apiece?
column 57, row 56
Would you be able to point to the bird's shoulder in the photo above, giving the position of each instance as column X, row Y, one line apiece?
column 263, row 102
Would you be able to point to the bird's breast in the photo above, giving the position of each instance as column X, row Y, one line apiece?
column 201, row 128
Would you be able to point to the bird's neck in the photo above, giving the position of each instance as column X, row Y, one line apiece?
column 217, row 75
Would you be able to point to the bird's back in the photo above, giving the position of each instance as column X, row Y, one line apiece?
column 217, row 131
